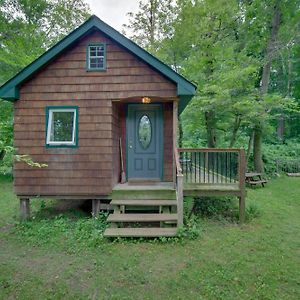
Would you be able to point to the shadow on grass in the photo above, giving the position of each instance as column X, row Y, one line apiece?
column 70, row 209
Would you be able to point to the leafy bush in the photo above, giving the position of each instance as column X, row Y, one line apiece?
column 77, row 233
column 252, row 212
column 225, row 208
column 213, row 206
column 272, row 153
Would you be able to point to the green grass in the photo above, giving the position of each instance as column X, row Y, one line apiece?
column 64, row 256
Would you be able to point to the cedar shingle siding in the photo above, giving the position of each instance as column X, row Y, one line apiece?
column 93, row 167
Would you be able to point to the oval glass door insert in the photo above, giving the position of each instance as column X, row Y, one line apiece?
column 145, row 131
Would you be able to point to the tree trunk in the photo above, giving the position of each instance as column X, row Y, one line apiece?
column 236, row 126
column 257, row 149
column 281, row 119
column 280, row 128
column 258, row 130
column 250, row 144
column 2, row 154
column 210, row 122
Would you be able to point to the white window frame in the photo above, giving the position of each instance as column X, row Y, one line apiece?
column 50, row 117
column 100, row 56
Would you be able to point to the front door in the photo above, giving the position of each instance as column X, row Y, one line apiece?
column 144, row 141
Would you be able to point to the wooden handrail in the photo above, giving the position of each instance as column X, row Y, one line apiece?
column 177, row 162
column 208, row 150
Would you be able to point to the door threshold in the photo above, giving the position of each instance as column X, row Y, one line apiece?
column 143, row 181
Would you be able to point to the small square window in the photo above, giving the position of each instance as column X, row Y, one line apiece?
column 62, row 126
column 96, row 57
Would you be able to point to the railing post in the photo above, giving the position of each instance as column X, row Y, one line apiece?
column 242, row 185
column 179, row 196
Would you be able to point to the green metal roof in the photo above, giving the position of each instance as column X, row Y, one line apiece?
column 185, row 89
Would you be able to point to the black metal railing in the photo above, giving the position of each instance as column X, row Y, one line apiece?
column 211, row 166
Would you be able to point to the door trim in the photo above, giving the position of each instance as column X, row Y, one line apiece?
column 161, row 137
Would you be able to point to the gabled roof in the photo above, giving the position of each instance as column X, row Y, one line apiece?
column 10, row 90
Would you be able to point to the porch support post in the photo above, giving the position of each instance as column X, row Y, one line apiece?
column 242, row 185
column 175, row 135
column 96, row 203
column 24, row 209
column 179, row 200
column 242, row 209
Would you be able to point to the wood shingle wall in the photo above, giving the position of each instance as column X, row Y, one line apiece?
column 89, row 169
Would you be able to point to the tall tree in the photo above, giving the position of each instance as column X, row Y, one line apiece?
column 27, row 29
column 151, row 23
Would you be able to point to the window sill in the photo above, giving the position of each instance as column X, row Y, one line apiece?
column 61, row 146
column 96, row 70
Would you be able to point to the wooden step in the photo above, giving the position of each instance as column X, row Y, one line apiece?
column 141, row 217
column 140, row 232
column 144, row 202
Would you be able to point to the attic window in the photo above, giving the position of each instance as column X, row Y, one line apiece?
column 96, row 57
column 62, row 126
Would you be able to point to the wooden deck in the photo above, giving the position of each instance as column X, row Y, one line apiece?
column 189, row 189
column 156, row 209
column 197, row 190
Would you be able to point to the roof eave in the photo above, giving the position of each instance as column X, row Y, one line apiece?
column 10, row 90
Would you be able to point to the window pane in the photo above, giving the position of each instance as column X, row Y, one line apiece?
column 145, row 131
column 92, row 51
column 93, row 60
column 62, row 127
column 96, row 57
column 100, row 51
column 99, row 62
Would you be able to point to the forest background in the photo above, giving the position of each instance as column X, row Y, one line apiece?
column 243, row 55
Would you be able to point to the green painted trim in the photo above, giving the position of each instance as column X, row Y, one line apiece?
column 183, row 102
column 184, row 86
column 163, row 140
column 88, row 57
column 160, row 105
column 11, row 94
column 126, row 140
column 47, row 109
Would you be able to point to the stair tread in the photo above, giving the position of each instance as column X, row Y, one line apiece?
column 141, row 217
column 140, row 232
column 143, row 202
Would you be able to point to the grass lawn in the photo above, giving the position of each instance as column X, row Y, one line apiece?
column 64, row 256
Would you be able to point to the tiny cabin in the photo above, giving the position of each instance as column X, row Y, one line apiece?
column 102, row 113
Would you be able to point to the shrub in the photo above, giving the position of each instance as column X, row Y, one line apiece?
column 213, row 206
column 225, row 208
column 280, row 152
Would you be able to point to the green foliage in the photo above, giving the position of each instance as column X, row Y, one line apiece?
column 76, row 230
column 214, row 207
column 223, row 209
column 274, row 153
column 33, row 26
column 252, row 212
column 222, row 46
column 28, row 28
column 152, row 23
